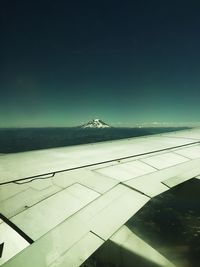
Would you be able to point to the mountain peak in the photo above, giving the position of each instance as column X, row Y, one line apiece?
column 95, row 123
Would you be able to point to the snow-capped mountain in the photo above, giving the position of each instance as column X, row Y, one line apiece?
column 96, row 123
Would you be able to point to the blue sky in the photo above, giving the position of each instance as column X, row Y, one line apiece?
column 126, row 62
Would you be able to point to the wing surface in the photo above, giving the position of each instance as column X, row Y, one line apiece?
column 59, row 205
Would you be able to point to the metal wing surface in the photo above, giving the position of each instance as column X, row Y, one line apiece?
column 59, row 205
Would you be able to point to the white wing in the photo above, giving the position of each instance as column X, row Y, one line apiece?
column 59, row 205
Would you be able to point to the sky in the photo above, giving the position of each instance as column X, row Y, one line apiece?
column 63, row 63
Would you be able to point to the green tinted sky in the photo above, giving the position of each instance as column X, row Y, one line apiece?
column 65, row 62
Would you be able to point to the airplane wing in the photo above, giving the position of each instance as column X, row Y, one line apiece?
column 58, row 206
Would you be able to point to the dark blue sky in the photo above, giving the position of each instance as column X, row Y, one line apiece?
column 126, row 62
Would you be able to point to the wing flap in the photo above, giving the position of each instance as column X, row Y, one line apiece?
column 164, row 160
column 51, row 246
column 93, row 218
column 109, row 219
column 126, row 171
column 158, row 182
column 11, row 242
column 78, row 253
column 88, row 178
column 23, row 197
column 53, row 210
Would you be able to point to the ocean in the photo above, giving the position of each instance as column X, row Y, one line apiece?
column 14, row 140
